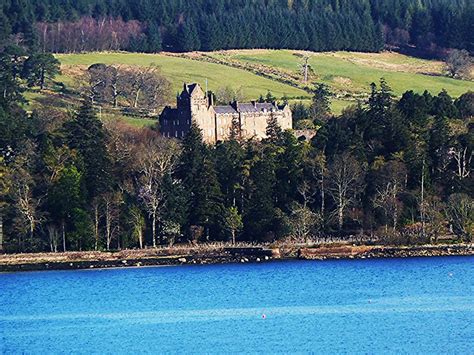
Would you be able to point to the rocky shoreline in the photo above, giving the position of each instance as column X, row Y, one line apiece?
column 219, row 255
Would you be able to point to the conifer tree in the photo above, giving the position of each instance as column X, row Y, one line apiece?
column 154, row 40
column 197, row 171
column 39, row 67
column 188, row 37
column 321, row 105
column 86, row 134
column 273, row 131
column 260, row 213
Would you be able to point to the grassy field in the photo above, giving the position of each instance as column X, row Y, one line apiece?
column 133, row 121
column 348, row 74
column 179, row 70
column 352, row 73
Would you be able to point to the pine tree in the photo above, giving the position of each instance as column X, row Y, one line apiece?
column 154, row 40
column 5, row 29
column 321, row 105
column 39, row 67
column 260, row 211
column 273, row 131
column 86, row 134
column 188, row 37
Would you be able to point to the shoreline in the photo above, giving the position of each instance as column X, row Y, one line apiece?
column 219, row 255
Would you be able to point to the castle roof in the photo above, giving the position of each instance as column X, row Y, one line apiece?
column 246, row 107
column 190, row 88
column 224, row 109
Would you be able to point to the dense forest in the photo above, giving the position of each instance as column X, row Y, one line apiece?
column 397, row 169
column 172, row 25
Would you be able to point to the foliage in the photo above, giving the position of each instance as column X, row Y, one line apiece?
column 192, row 25
column 74, row 180
column 40, row 67
column 320, row 108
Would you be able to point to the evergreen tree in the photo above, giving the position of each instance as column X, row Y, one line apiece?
column 11, row 66
column 273, row 131
column 321, row 105
column 187, row 37
column 5, row 29
column 64, row 199
column 269, row 97
column 153, row 36
column 86, row 134
column 260, row 214
column 39, row 67
column 203, row 195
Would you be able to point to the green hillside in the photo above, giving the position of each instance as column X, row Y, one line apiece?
column 256, row 71
column 353, row 72
column 179, row 70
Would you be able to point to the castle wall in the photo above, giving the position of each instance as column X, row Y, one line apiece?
column 224, row 125
column 192, row 106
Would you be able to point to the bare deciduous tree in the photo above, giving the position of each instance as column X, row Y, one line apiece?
column 304, row 222
column 345, row 182
column 137, row 222
column 94, row 82
column 462, row 157
column 5, row 184
column 435, row 218
column 146, row 87
column 392, row 181
column 156, row 158
column 88, row 34
column 319, row 171
column 111, row 203
column 459, row 63
column 460, row 212
column 22, row 193
column 54, row 237
column 226, row 94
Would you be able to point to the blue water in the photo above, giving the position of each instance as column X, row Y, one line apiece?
column 355, row 306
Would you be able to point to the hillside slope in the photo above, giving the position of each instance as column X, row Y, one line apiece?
column 255, row 72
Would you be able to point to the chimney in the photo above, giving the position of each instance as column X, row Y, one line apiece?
column 235, row 105
column 211, row 99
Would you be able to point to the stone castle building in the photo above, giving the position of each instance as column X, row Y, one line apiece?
column 216, row 122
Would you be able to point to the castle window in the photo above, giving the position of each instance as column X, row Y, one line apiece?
column 182, row 133
column 176, row 134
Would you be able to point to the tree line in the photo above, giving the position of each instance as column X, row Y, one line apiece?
column 317, row 25
column 395, row 168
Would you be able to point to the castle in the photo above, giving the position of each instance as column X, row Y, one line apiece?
column 217, row 122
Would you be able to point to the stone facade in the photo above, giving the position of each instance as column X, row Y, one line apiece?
column 216, row 122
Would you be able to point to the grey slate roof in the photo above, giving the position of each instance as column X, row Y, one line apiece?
column 224, row 109
column 246, row 107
